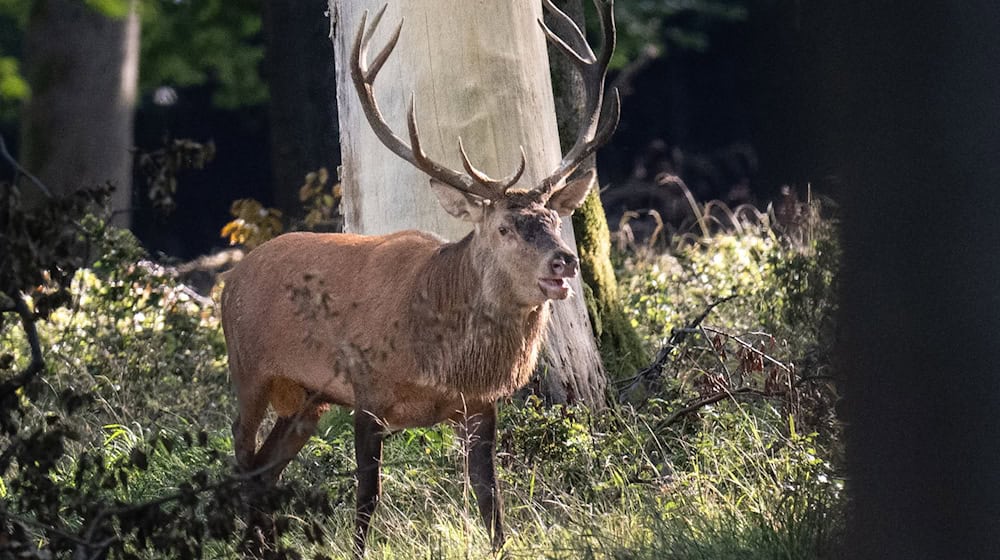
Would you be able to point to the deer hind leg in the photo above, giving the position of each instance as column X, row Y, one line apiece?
column 251, row 408
column 298, row 414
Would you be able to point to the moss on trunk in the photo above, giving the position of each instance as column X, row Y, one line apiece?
column 621, row 348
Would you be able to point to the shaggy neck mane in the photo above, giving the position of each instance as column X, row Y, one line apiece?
column 465, row 339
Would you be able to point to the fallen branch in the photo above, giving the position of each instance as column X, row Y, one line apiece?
column 677, row 336
column 712, row 399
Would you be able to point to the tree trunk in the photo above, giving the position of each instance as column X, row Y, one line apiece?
column 302, row 82
column 478, row 71
column 621, row 348
column 76, row 128
column 912, row 117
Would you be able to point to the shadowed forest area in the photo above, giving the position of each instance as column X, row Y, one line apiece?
column 788, row 269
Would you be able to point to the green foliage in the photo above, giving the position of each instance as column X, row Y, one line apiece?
column 187, row 43
column 125, row 440
column 659, row 25
column 780, row 286
column 120, row 450
column 13, row 88
column 111, row 8
column 41, row 250
column 184, row 43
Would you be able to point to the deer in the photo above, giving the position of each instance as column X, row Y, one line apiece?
column 407, row 329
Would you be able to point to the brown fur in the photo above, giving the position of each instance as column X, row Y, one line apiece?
column 404, row 328
column 376, row 322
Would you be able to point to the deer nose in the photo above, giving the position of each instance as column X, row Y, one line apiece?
column 563, row 264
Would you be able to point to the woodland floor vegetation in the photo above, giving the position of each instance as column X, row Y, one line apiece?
column 726, row 446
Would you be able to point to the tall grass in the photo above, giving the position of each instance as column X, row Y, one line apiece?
column 711, row 462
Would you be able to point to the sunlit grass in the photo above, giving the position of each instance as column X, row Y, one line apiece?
column 735, row 480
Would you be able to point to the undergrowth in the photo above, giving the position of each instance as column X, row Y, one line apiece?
column 726, row 447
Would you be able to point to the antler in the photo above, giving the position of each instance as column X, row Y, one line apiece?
column 363, row 76
column 598, row 124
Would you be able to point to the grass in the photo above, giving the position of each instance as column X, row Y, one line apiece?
column 749, row 476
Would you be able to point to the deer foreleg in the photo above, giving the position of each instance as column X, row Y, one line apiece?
column 480, row 429
column 368, row 436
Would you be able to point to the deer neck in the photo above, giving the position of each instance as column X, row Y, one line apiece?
column 468, row 338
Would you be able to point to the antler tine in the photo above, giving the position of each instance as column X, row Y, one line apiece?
column 383, row 54
column 610, row 116
column 600, row 118
column 500, row 185
column 363, row 76
column 470, row 185
column 582, row 52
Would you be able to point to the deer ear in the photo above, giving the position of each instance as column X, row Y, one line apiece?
column 570, row 197
column 457, row 203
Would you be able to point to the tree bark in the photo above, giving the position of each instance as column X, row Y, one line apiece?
column 478, row 70
column 621, row 348
column 76, row 128
column 302, row 82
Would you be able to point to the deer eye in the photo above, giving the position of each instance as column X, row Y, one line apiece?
column 504, row 230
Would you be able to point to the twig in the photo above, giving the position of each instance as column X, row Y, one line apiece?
column 677, row 336
column 712, row 399
column 749, row 347
column 39, row 525
column 17, row 167
column 716, row 352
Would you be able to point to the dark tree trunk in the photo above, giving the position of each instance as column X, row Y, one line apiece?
column 913, row 111
column 303, row 86
column 76, row 129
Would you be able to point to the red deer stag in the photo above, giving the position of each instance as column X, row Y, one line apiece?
column 406, row 329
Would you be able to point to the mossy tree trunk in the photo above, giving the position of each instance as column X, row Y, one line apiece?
column 82, row 66
column 621, row 348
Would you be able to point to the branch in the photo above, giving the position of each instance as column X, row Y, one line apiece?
column 749, row 347
column 17, row 167
column 677, row 336
column 37, row 363
column 712, row 399
column 723, row 395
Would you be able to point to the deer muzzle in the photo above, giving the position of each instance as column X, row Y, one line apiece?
column 562, row 267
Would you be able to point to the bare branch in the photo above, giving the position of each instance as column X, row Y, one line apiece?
column 677, row 336
column 17, row 167
column 37, row 363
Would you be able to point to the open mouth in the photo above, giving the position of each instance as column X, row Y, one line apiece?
column 554, row 288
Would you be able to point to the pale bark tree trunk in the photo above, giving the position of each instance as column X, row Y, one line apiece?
column 303, row 106
column 479, row 71
column 83, row 68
